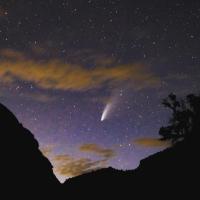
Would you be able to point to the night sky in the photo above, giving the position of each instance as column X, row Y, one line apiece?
column 87, row 76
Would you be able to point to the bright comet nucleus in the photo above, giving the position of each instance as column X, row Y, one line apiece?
column 106, row 111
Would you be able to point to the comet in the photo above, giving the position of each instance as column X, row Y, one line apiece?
column 106, row 111
column 111, row 104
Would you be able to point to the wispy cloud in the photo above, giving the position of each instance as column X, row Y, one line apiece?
column 47, row 150
column 58, row 75
column 66, row 166
column 9, row 54
column 96, row 149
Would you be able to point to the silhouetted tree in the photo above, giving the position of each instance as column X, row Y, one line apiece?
column 185, row 120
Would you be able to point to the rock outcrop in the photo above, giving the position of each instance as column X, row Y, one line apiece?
column 25, row 172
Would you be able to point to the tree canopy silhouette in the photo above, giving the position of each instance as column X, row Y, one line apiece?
column 185, row 120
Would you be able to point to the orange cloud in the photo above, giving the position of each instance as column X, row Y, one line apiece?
column 11, row 54
column 47, row 150
column 151, row 142
column 55, row 74
column 96, row 149
column 68, row 166
column 104, row 61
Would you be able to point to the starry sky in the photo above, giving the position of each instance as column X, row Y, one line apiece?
column 87, row 76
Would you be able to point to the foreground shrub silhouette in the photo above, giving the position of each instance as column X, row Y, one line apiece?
column 185, row 120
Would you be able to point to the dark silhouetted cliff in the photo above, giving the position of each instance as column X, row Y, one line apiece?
column 168, row 174
column 25, row 172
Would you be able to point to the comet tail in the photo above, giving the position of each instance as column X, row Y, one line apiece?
column 106, row 111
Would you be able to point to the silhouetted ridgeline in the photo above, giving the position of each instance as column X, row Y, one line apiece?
column 167, row 174
column 26, row 173
column 171, row 173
